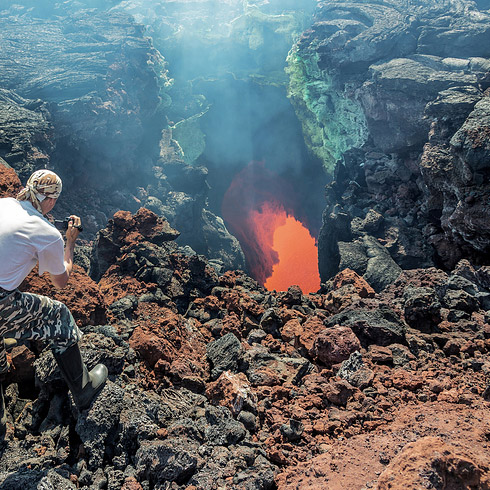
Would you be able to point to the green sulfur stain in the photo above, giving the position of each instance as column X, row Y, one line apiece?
column 332, row 123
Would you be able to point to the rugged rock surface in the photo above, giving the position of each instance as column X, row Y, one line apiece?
column 215, row 382
column 24, row 134
column 440, row 465
column 86, row 96
column 103, row 108
column 393, row 98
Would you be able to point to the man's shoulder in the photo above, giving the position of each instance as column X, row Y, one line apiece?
column 39, row 225
column 8, row 201
column 10, row 207
column 47, row 229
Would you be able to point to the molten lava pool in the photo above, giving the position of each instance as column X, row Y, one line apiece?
column 292, row 249
column 297, row 258
column 279, row 249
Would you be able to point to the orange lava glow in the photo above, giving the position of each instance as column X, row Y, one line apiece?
column 298, row 258
column 279, row 249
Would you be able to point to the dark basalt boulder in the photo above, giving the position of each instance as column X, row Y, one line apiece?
column 381, row 326
column 224, row 354
column 422, row 308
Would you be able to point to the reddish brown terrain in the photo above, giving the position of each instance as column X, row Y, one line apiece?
column 342, row 389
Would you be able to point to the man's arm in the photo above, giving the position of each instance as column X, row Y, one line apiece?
column 61, row 280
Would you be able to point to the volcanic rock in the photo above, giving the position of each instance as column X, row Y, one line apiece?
column 354, row 371
column 124, row 230
column 89, row 94
column 422, row 308
column 34, row 478
column 223, row 354
column 22, row 361
column 409, row 154
column 232, row 391
column 430, row 461
column 407, row 161
column 98, row 424
column 159, row 462
column 381, row 326
column 271, row 322
column 335, row 345
column 10, row 184
column 100, row 120
column 191, row 403
column 24, row 138
column 82, row 293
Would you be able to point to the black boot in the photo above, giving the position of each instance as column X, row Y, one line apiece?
column 83, row 385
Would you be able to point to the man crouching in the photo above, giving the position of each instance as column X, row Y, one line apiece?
column 27, row 238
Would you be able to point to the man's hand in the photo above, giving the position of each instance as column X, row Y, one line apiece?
column 73, row 228
column 71, row 234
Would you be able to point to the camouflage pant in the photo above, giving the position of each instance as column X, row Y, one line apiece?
column 25, row 316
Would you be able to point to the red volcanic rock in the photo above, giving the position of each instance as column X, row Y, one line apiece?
column 114, row 286
column 292, row 296
column 125, row 228
column 238, row 302
column 131, row 484
column 319, row 391
column 349, row 277
column 22, row 362
column 345, row 289
column 10, row 184
column 309, row 332
column 231, row 324
column 407, row 380
column 380, row 354
column 453, row 346
column 82, row 295
column 338, row 392
column 149, row 346
column 231, row 390
column 131, row 241
column 431, row 463
column 335, row 345
column 291, row 330
column 170, row 344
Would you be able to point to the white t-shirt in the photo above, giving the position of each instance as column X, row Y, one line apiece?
column 27, row 238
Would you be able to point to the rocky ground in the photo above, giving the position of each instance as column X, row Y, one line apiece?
column 216, row 383
column 379, row 380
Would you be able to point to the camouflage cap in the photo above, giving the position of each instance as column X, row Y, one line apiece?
column 41, row 184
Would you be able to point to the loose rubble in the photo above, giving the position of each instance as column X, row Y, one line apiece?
column 218, row 383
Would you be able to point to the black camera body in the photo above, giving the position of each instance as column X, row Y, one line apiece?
column 62, row 224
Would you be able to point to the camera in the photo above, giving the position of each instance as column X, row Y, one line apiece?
column 62, row 224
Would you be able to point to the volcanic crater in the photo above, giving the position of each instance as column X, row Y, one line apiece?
column 189, row 135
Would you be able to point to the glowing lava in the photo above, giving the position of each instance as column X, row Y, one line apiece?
column 297, row 254
column 279, row 249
